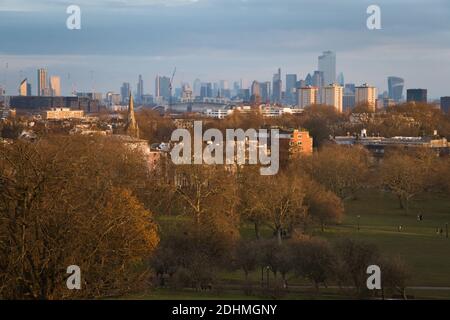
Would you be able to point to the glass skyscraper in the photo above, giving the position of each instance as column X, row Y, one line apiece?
column 396, row 85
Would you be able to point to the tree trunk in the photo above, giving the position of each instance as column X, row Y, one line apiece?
column 279, row 236
column 400, row 202
column 257, row 231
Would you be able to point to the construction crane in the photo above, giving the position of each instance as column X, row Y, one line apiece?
column 170, row 87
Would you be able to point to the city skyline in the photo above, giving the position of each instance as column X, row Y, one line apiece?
column 215, row 39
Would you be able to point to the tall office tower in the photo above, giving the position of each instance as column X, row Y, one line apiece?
column 29, row 89
column 223, row 84
column 125, row 92
column 301, row 84
column 256, row 89
column 348, row 102
column 318, row 81
column 162, row 88
column 23, row 88
column 349, row 89
column 445, row 104
column 244, row 94
column 206, row 90
column 264, row 89
column 42, row 82
column 332, row 95
column 417, row 95
column 291, row 88
column 256, row 93
column 327, row 65
column 277, row 87
column 224, row 89
column 216, row 89
column 396, row 85
column 55, row 86
column 309, row 80
column 349, row 99
column 366, row 95
column 340, row 79
column 197, row 87
column 140, row 89
column 308, row 96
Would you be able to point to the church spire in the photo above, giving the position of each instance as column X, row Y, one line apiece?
column 131, row 127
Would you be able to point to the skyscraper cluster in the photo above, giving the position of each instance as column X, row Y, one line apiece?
column 48, row 86
column 322, row 86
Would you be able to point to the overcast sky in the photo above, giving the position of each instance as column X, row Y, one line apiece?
column 223, row 39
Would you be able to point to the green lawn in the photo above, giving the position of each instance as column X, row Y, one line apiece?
column 426, row 253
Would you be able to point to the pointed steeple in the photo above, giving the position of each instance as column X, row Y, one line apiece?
column 131, row 127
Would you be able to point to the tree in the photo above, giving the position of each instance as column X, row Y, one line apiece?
column 154, row 127
column 281, row 203
column 246, row 256
column 250, row 189
column 207, row 192
column 323, row 205
column 395, row 275
column 353, row 258
column 312, row 259
column 62, row 204
column 405, row 176
column 191, row 254
column 342, row 170
column 321, row 122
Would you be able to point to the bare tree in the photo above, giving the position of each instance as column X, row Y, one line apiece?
column 63, row 203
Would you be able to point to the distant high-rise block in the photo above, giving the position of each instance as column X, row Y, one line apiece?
column 396, row 85
column 125, row 92
column 366, row 95
column 23, row 88
column 308, row 96
column 349, row 89
column 29, row 93
column 327, row 65
column 417, row 95
column 264, row 89
column 318, row 79
column 291, row 88
column 340, row 79
column 206, row 90
column 197, row 87
column 140, row 89
column 256, row 90
column 55, row 86
column 332, row 95
column 277, row 87
column 42, row 82
column 445, row 104
column 162, row 88
column 348, row 102
column 309, row 80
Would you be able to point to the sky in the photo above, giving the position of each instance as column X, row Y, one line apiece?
column 223, row 39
